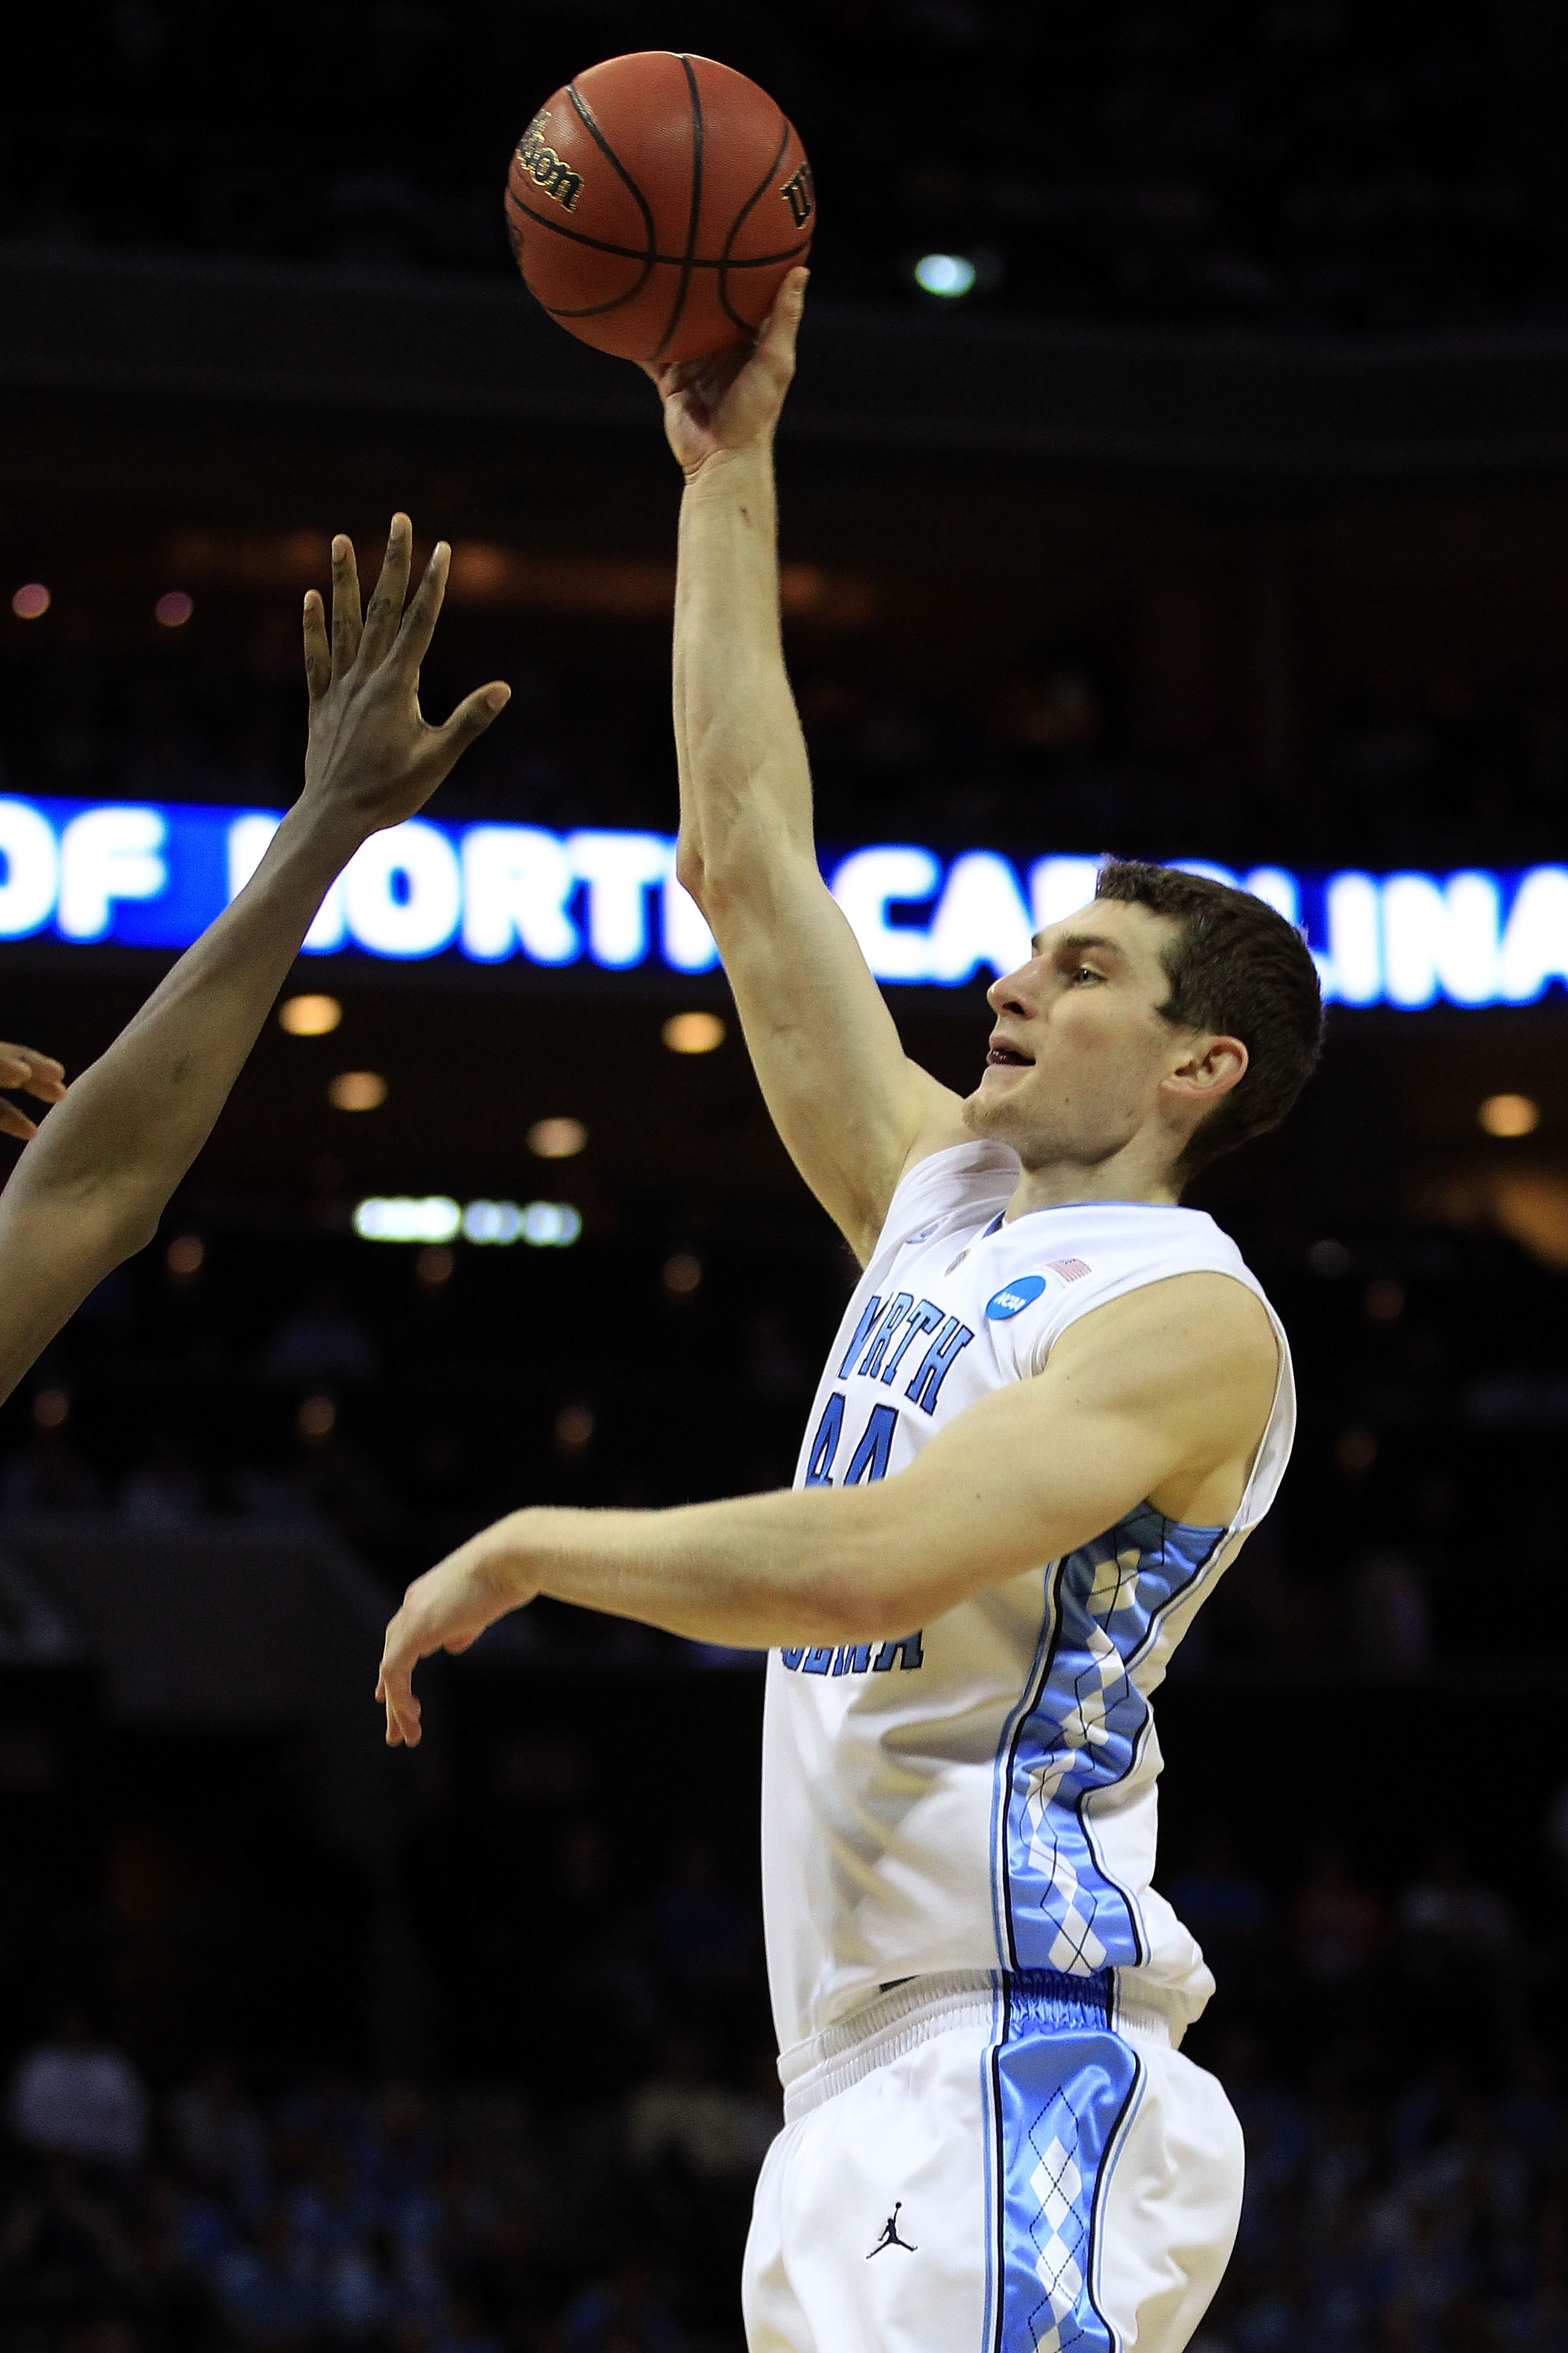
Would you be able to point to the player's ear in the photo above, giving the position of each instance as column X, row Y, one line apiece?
column 1209, row 1067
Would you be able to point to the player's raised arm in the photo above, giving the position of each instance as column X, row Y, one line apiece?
column 91, row 1185
column 851, row 1107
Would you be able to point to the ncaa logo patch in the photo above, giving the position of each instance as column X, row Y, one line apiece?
column 1013, row 1298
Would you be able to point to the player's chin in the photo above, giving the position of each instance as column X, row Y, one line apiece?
column 990, row 1110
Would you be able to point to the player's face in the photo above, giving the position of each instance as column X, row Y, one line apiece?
column 1081, row 1051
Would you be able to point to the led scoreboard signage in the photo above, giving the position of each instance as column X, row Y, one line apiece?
column 153, row 875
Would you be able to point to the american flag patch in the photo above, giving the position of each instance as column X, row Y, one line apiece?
column 1069, row 1269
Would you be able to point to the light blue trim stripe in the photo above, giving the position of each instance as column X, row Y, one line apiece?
column 1102, row 2191
column 992, row 2209
column 1001, row 1786
column 1066, row 2083
column 1081, row 1734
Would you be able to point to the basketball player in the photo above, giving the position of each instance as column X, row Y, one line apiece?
column 91, row 1183
column 1055, row 1405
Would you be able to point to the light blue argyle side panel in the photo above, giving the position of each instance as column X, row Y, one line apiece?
column 1081, row 1734
column 1063, row 2083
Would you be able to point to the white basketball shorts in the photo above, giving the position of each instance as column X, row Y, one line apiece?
column 977, row 2164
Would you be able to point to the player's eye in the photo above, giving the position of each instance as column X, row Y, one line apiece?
column 1085, row 972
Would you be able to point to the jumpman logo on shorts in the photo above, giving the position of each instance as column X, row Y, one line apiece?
column 889, row 2237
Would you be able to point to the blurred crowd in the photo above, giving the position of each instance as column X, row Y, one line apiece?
column 574, row 2175
column 1298, row 165
column 461, row 2223
column 1395, row 2059
column 1390, row 2049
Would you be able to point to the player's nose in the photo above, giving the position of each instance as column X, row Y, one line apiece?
column 1010, row 993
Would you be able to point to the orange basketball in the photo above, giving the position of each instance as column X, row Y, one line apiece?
column 657, row 203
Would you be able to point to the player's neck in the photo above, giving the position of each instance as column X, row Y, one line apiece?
column 1066, row 1182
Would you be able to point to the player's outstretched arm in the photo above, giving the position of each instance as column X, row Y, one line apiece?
column 852, row 1109
column 89, row 1188
column 1163, row 1395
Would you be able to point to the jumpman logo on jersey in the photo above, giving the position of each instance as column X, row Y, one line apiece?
column 889, row 2237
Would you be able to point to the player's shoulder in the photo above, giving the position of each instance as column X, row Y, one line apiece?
column 1104, row 1270
column 1197, row 1307
column 1096, row 1249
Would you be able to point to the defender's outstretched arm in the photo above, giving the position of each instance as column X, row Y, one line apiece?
column 89, row 1189
column 851, row 1107
column 1164, row 1395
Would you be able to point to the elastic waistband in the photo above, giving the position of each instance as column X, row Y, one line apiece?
column 1031, row 2002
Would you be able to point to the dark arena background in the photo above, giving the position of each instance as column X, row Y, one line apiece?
column 1178, row 465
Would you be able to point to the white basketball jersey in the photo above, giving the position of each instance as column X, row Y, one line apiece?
column 980, row 1793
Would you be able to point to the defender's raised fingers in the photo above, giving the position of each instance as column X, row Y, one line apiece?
column 386, row 608
column 469, row 721
column 425, row 608
column 15, row 1123
column 318, row 653
column 346, row 623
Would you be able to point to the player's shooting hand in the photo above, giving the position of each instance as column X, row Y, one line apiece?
column 733, row 399
column 445, row 1610
column 38, row 1075
column 373, row 758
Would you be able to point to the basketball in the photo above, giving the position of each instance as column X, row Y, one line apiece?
column 656, row 204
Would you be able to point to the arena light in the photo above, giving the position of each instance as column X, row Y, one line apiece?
column 557, row 1139
column 435, row 1218
column 1509, row 1116
column 492, row 1221
column 693, row 1033
column 947, row 274
column 550, row 1225
column 357, row 1090
column 309, row 1017
column 136, row 874
column 401, row 1218
column 31, row 601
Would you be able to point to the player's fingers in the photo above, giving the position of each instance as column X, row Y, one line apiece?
column 317, row 651
column 680, row 375
column 15, row 1123
column 777, row 340
column 389, row 1684
column 386, row 608
column 402, row 1713
column 425, row 608
column 346, row 623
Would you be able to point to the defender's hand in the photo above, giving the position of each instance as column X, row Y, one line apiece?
column 445, row 1610
column 38, row 1075
column 733, row 399
column 372, row 759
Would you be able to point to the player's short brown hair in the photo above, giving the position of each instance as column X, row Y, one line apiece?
column 1238, row 969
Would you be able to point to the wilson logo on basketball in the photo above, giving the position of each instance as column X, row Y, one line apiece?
column 546, row 170
column 800, row 196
